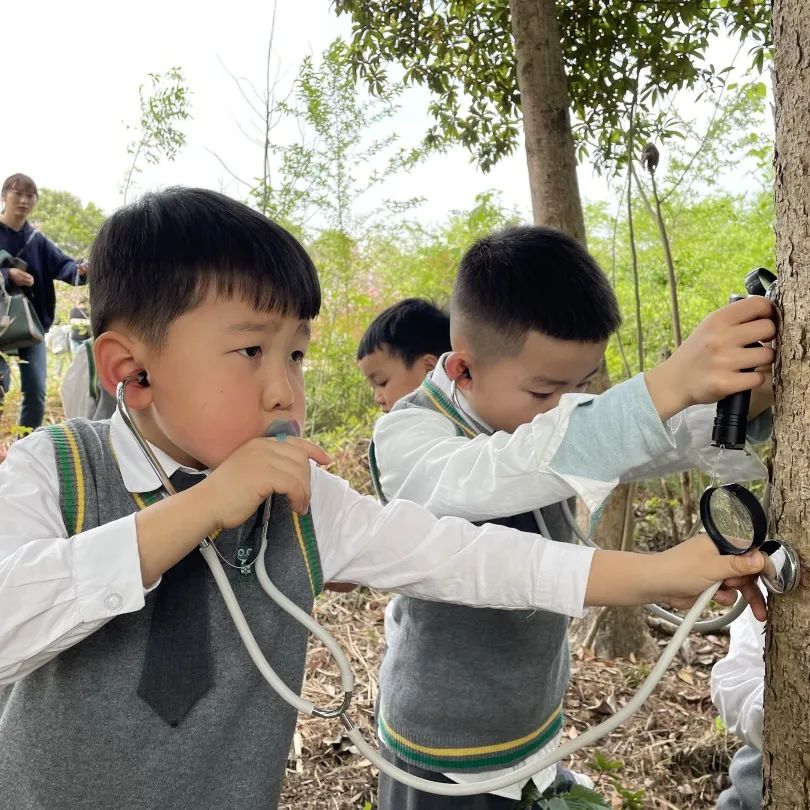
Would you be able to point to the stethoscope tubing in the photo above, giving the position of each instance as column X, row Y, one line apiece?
column 373, row 755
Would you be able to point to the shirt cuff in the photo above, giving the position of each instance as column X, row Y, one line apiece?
column 564, row 578
column 107, row 570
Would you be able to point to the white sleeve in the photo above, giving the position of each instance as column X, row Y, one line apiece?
column 572, row 449
column 692, row 432
column 55, row 590
column 738, row 680
column 402, row 547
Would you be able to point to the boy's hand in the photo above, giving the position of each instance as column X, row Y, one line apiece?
column 684, row 572
column 708, row 364
column 256, row 470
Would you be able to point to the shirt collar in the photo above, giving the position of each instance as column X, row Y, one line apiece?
column 440, row 379
column 135, row 468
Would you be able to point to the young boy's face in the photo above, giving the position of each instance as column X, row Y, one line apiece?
column 510, row 391
column 391, row 378
column 224, row 374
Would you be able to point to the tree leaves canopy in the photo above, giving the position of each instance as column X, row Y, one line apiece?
column 620, row 55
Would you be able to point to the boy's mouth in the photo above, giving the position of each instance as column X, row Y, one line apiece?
column 282, row 428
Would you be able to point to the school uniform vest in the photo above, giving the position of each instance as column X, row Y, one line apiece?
column 74, row 733
column 467, row 689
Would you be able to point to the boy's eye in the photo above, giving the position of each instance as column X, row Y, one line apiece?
column 540, row 394
column 297, row 357
column 250, row 351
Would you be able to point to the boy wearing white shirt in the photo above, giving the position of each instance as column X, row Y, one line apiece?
column 502, row 430
column 124, row 683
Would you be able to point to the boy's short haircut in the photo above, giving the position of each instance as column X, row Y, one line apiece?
column 531, row 278
column 409, row 329
column 158, row 258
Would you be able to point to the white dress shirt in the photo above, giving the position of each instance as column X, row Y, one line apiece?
column 55, row 590
column 614, row 437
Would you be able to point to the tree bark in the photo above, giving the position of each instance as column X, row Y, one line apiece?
column 786, row 760
column 552, row 165
column 545, row 104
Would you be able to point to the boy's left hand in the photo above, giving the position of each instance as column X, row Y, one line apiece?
column 710, row 364
column 689, row 568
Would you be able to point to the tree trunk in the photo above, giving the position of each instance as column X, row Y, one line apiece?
column 552, row 165
column 786, row 760
column 545, row 103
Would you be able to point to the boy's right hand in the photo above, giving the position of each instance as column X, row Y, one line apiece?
column 708, row 365
column 682, row 573
column 259, row 468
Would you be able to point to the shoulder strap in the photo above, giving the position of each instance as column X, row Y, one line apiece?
column 305, row 532
column 68, row 455
column 375, row 474
column 27, row 243
column 444, row 406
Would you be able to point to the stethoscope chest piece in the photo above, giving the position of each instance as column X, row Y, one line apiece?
column 782, row 567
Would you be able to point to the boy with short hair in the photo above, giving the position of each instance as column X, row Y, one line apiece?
column 125, row 683
column 402, row 345
column 502, row 431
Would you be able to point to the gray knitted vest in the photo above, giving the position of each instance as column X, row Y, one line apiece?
column 74, row 733
column 471, row 689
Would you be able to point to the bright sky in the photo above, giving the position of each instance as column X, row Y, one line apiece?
column 73, row 83
column 72, row 78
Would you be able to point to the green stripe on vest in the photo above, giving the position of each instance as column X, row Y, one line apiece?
column 435, row 760
column 71, row 477
column 305, row 530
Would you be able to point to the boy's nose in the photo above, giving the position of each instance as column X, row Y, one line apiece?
column 278, row 393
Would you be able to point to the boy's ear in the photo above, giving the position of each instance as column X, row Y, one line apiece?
column 117, row 357
column 429, row 362
column 458, row 369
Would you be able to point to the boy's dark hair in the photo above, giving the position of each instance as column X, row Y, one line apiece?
column 158, row 258
column 409, row 329
column 531, row 279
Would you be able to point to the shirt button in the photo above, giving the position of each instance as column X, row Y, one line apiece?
column 113, row 601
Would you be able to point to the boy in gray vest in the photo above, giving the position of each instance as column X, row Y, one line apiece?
column 123, row 683
column 503, row 431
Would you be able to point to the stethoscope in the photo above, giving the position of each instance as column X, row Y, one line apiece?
column 724, row 517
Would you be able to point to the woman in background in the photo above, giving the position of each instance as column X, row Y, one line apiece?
column 46, row 264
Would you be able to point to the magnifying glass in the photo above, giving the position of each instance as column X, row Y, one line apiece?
column 733, row 517
column 736, row 522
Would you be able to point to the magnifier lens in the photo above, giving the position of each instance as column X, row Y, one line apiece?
column 732, row 518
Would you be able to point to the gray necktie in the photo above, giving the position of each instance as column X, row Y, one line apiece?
column 177, row 668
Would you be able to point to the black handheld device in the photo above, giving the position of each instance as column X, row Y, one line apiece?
column 731, row 417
